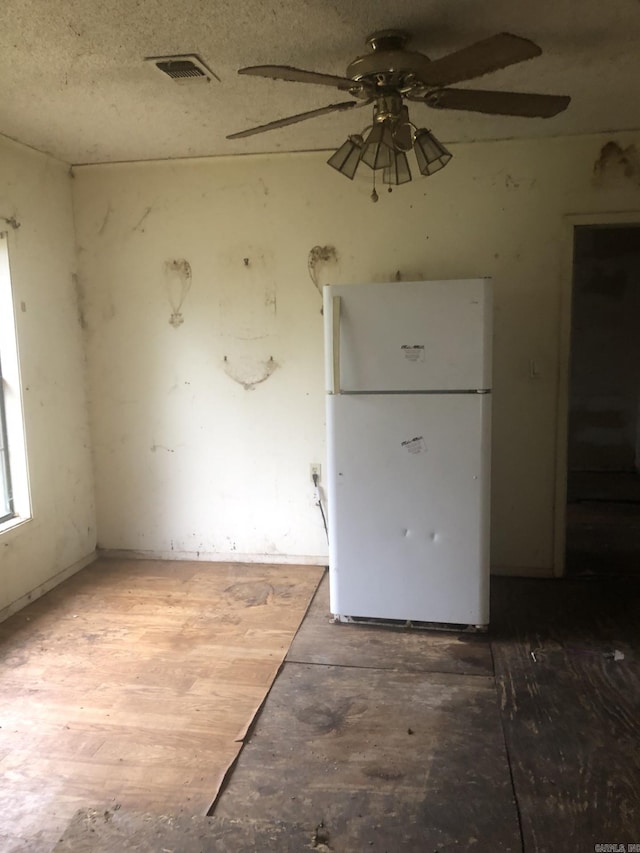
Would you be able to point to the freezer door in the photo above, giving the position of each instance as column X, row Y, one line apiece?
column 408, row 497
column 408, row 336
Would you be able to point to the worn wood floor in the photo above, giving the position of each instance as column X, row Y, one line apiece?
column 567, row 666
column 133, row 684
column 524, row 740
column 521, row 741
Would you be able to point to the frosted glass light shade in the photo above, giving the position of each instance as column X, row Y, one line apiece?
column 430, row 154
column 347, row 157
column 397, row 172
column 378, row 146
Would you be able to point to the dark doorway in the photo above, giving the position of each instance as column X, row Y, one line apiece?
column 603, row 485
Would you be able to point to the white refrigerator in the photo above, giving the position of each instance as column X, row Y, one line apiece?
column 408, row 380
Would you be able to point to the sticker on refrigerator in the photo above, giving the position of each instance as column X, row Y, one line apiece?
column 415, row 445
column 413, row 352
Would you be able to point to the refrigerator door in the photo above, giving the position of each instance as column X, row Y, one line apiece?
column 408, row 336
column 408, row 479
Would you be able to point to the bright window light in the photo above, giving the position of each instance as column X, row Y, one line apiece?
column 14, row 480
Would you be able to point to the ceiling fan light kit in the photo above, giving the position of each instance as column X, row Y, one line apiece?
column 383, row 153
column 397, row 172
column 378, row 146
column 347, row 158
column 389, row 75
column 430, row 154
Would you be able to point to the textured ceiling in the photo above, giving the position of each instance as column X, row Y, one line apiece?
column 73, row 81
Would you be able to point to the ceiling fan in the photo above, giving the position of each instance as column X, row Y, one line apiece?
column 388, row 75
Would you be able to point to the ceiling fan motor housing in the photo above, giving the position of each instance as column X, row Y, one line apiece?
column 388, row 65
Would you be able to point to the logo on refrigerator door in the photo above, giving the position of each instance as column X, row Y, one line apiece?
column 413, row 352
column 415, row 445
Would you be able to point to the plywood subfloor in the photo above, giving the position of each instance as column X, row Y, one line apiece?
column 134, row 683
column 109, row 831
column 379, row 739
column 567, row 657
column 379, row 760
column 540, row 757
column 370, row 646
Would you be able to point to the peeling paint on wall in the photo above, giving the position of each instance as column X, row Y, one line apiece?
column 177, row 274
column 615, row 161
column 249, row 373
column 319, row 258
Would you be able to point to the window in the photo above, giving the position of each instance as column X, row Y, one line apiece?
column 14, row 487
column 6, row 493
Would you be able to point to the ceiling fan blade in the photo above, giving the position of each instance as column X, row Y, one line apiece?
column 480, row 58
column 525, row 104
column 298, row 75
column 283, row 122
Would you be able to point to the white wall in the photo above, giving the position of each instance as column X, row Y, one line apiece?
column 189, row 461
column 35, row 191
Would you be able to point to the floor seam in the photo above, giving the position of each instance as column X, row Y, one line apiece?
column 488, row 675
column 507, row 754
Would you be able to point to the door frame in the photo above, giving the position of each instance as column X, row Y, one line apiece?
column 570, row 221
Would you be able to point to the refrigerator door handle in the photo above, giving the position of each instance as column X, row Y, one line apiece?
column 335, row 345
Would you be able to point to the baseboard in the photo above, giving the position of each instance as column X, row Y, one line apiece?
column 278, row 559
column 45, row 587
column 214, row 557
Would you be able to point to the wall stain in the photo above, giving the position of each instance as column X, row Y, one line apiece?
column 138, row 227
column 405, row 275
column 105, row 221
column 11, row 221
column 80, row 301
column 250, row 375
column 615, row 160
column 177, row 274
column 252, row 337
column 319, row 257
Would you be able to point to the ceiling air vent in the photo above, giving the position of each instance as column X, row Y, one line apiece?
column 187, row 68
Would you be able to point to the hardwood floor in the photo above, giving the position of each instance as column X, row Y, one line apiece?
column 133, row 683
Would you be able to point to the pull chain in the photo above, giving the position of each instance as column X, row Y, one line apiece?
column 374, row 194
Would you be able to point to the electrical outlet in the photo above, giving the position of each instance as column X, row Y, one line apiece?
column 315, row 469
